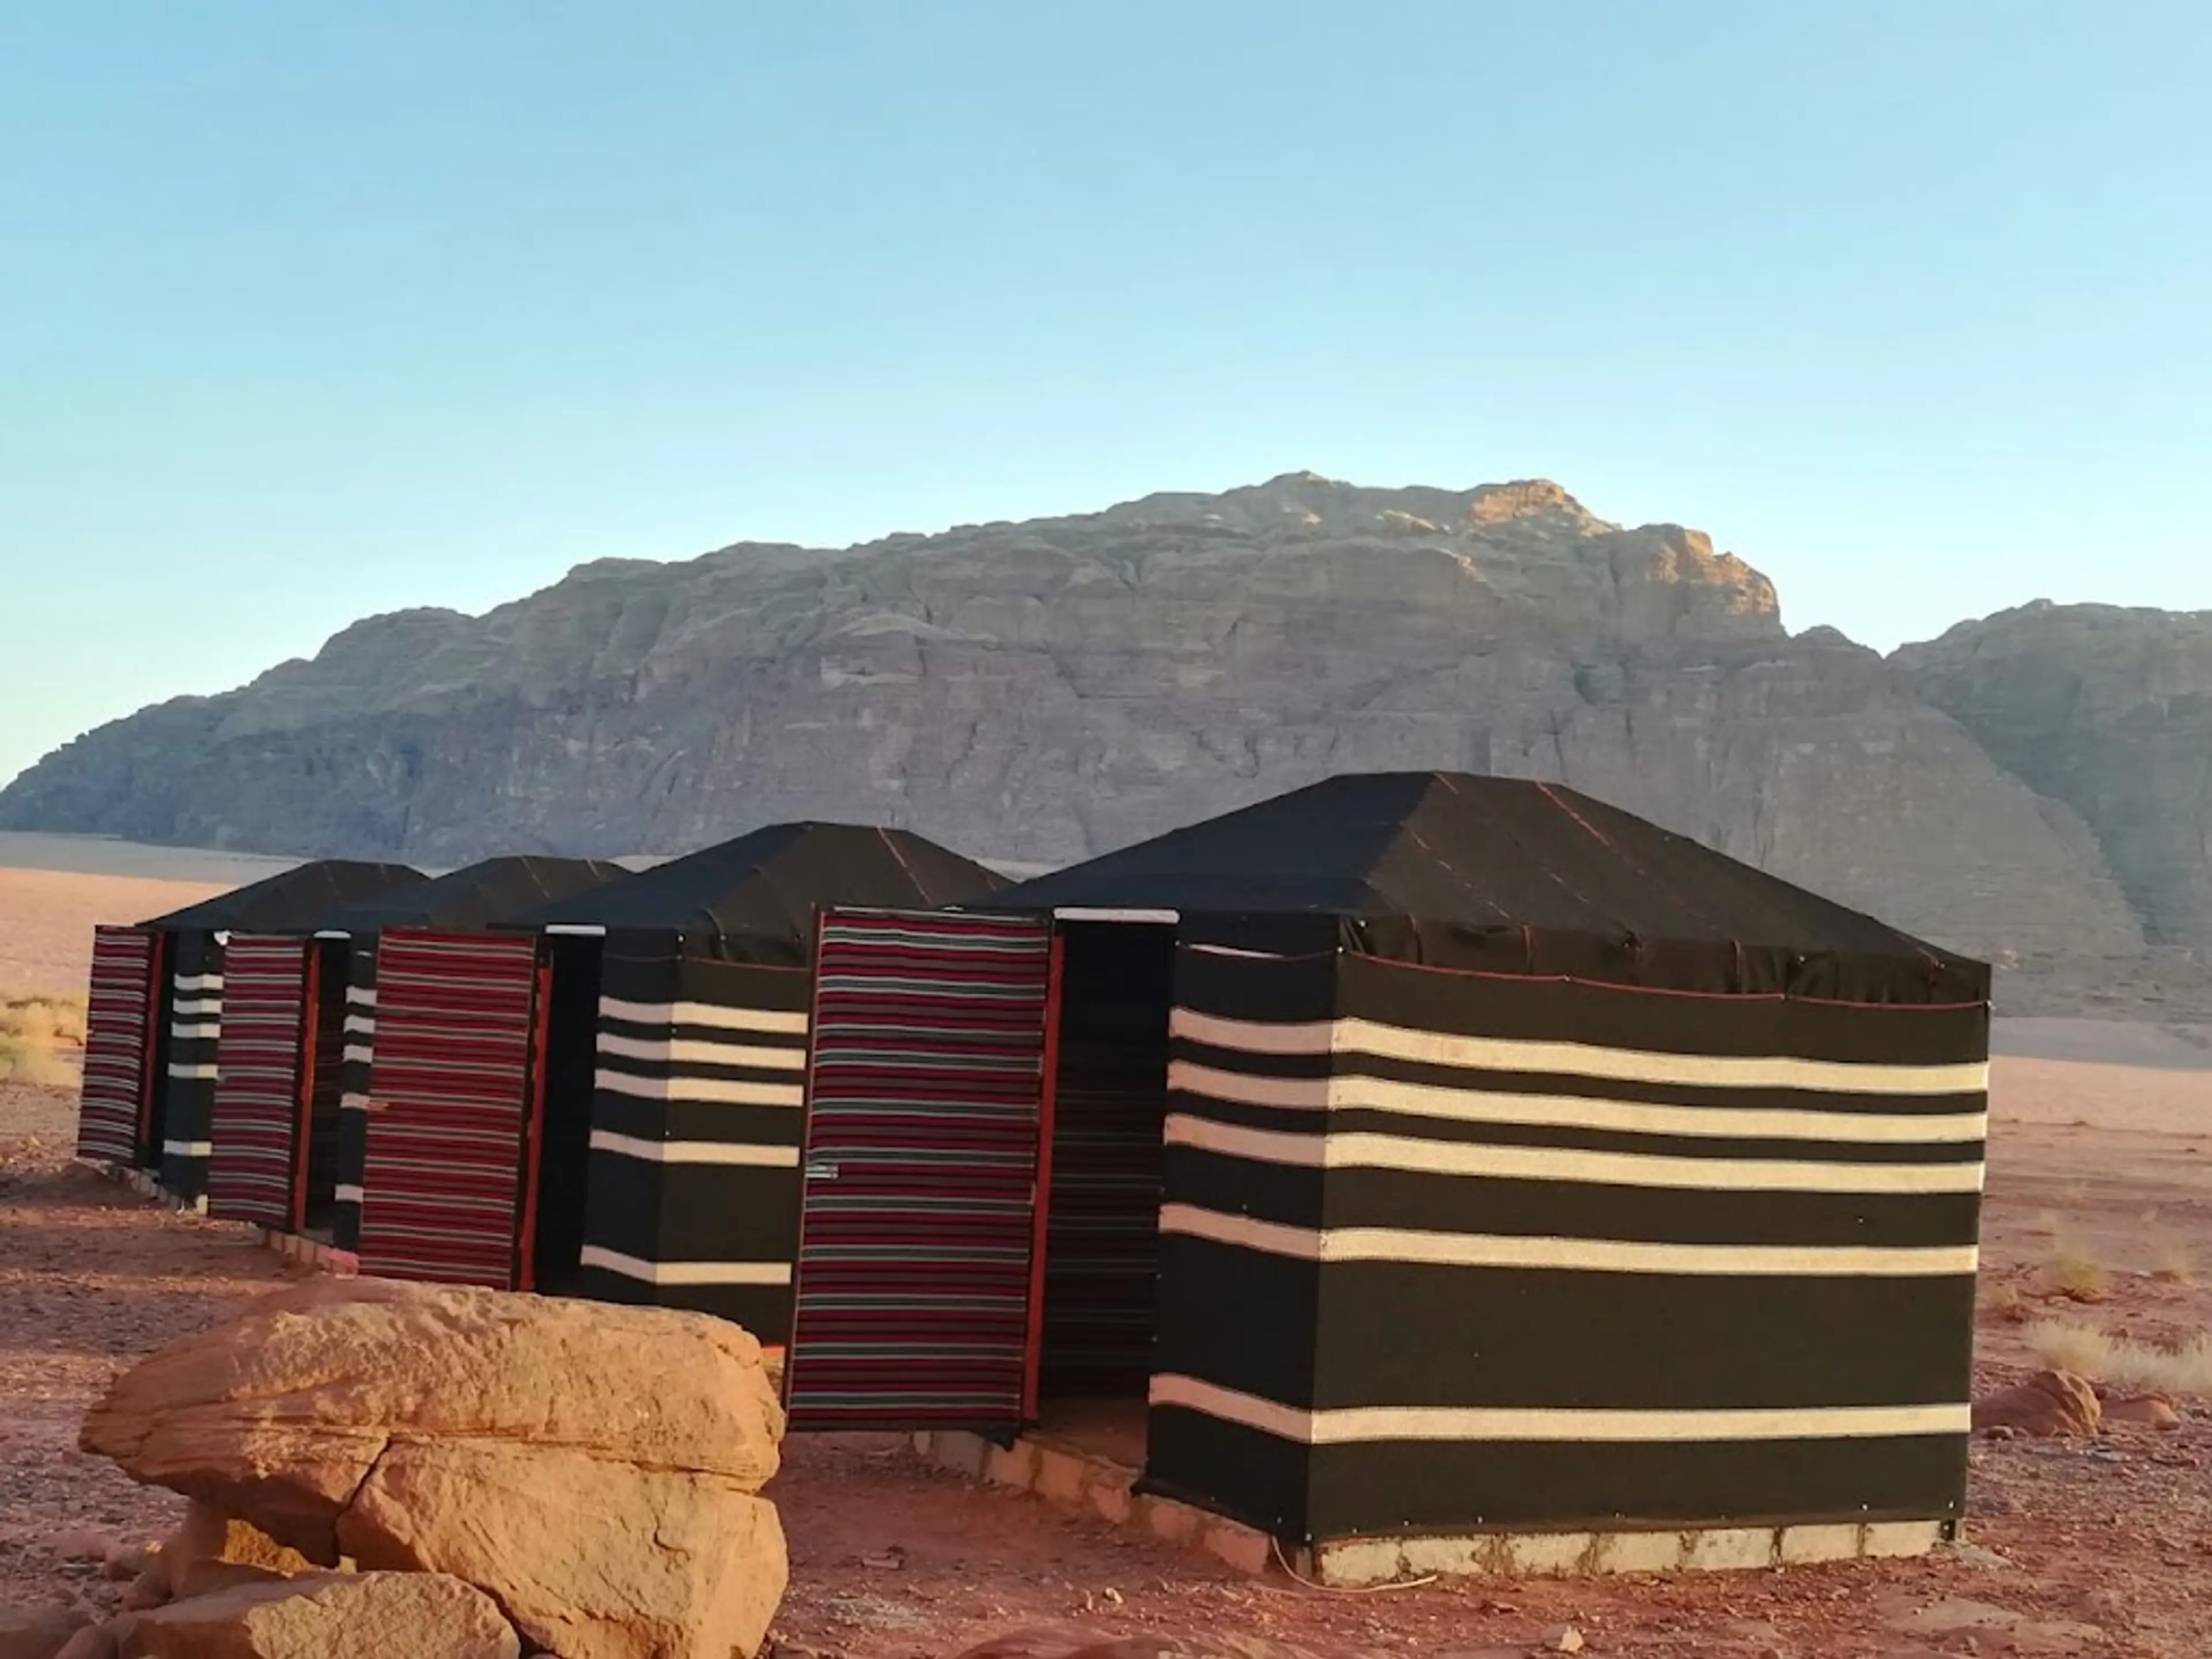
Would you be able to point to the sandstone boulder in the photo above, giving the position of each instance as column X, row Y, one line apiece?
column 2050, row 1403
column 38, row 1632
column 390, row 1616
column 592, row 1562
column 279, row 1415
column 592, row 1467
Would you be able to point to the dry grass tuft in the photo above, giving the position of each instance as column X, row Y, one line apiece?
column 2121, row 1362
column 2172, row 1262
column 2073, row 1270
column 2004, row 1302
column 44, row 1016
column 39, row 1037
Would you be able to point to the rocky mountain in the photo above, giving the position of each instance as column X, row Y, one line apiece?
column 2032, row 787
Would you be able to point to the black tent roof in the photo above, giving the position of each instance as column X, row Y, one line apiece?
column 294, row 901
column 495, row 890
column 1502, row 874
column 755, row 897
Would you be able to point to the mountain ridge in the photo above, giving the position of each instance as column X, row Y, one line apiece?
column 1041, row 690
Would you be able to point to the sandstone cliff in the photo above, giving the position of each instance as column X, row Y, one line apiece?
column 1034, row 693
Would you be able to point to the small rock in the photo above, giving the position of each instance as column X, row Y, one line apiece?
column 126, row 1561
column 392, row 1616
column 93, row 1642
column 2150, row 1410
column 1973, row 1555
column 148, row 1589
column 2050, row 1403
column 1563, row 1639
column 38, row 1632
column 78, row 1545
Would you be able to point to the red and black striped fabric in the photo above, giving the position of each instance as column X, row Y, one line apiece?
column 916, row 1232
column 118, row 1026
column 449, row 1090
column 254, row 1123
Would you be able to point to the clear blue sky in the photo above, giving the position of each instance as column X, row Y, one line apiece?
column 309, row 310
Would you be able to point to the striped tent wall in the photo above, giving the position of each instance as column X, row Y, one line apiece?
column 1109, row 1104
column 121, row 1006
column 1577, row 1254
column 924, row 1102
column 187, row 1100
column 697, row 1117
column 261, row 1075
column 349, row 1132
column 444, row 1191
column 1236, row 1323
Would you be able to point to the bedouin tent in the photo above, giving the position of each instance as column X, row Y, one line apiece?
column 154, row 1013
column 606, row 1097
column 1417, row 1153
column 299, row 1019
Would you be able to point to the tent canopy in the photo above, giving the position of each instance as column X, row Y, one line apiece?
column 468, row 899
column 295, row 900
column 756, row 896
column 1508, row 875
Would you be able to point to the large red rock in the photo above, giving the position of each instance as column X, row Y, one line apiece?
column 2050, row 1403
column 593, row 1467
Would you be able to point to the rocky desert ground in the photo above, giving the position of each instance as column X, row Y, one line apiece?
column 2097, row 1252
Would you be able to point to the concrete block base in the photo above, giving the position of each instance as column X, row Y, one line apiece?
column 310, row 1253
column 1082, row 1482
column 147, row 1184
column 1350, row 1562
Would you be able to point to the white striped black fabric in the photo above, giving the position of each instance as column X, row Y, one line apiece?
column 185, row 1104
column 1544, row 1214
column 356, row 1056
column 697, row 1118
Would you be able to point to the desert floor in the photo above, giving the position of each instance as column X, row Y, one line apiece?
column 2102, row 1155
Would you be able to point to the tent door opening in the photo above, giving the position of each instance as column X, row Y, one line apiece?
column 315, row 1199
column 153, row 1101
column 560, row 1145
column 1099, row 1258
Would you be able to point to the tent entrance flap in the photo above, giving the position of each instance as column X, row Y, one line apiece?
column 261, row 1054
column 450, row 1081
column 919, row 1193
column 119, row 1047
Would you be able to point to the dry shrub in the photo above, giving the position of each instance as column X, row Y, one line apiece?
column 43, row 1017
column 39, row 1035
column 2004, row 1302
column 23, row 1060
column 2074, row 1271
column 2173, row 1263
column 2121, row 1362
